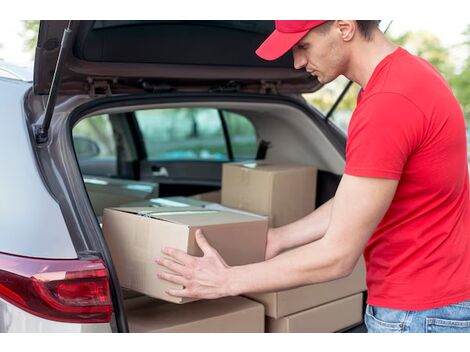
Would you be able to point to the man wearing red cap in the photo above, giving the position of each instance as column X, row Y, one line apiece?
column 403, row 201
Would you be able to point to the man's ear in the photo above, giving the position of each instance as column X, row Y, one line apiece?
column 347, row 29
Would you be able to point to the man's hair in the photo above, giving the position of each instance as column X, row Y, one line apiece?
column 366, row 27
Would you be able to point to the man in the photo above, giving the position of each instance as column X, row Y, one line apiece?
column 403, row 201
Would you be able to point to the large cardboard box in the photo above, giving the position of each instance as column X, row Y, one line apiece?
column 330, row 317
column 135, row 237
column 224, row 315
column 282, row 303
column 285, row 192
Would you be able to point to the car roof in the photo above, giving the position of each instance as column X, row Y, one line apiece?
column 14, row 71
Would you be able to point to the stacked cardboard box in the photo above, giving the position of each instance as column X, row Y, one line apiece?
column 330, row 317
column 285, row 192
column 304, row 302
column 282, row 303
column 224, row 315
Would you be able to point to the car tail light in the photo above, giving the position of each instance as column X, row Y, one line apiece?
column 74, row 291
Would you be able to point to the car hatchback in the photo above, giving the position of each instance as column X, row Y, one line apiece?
column 117, row 112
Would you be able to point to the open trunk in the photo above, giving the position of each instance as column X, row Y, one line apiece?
column 294, row 133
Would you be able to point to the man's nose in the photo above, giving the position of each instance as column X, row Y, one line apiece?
column 299, row 61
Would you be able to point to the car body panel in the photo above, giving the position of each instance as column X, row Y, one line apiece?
column 9, row 70
column 31, row 223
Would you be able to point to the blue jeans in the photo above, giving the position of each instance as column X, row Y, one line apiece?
column 447, row 319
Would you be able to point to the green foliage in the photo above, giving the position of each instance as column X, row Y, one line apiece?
column 30, row 35
column 428, row 46
column 460, row 81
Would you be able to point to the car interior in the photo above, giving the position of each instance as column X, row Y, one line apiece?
column 165, row 151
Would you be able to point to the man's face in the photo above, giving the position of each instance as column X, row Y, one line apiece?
column 322, row 54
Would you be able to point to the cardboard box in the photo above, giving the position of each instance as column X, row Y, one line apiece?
column 285, row 192
column 135, row 237
column 282, row 303
column 224, row 315
column 330, row 317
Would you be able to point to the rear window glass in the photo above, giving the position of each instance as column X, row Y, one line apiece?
column 196, row 134
column 182, row 134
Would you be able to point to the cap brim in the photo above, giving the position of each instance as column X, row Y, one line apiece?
column 278, row 43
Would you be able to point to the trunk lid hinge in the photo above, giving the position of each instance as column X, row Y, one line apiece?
column 102, row 86
column 42, row 131
column 270, row 87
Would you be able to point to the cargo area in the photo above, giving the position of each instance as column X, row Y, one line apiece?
column 154, row 174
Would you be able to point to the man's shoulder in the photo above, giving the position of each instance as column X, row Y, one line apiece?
column 412, row 78
column 387, row 102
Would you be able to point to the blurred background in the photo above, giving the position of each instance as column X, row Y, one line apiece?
column 446, row 45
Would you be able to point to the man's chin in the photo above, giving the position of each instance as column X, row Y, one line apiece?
column 323, row 80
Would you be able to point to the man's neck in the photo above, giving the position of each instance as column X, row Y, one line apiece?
column 365, row 57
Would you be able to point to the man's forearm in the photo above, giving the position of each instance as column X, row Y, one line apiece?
column 305, row 230
column 312, row 263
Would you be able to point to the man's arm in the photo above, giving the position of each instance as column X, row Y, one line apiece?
column 305, row 230
column 359, row 205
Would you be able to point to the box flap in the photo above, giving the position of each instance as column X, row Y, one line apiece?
column 191, row 216
column 269, row 166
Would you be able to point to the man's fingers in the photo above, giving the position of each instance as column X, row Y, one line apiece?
column 176, row 279
column 202, row 242
column 173, row 266
column 178, row 255
column 179, row 293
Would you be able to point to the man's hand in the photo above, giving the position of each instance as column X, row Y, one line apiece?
column 202, row 277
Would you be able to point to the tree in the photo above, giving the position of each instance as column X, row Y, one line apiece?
column 460, row 81
column 428, row 46
column 30, row 35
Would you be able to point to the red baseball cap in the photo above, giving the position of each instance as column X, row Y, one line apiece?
column 284, row 37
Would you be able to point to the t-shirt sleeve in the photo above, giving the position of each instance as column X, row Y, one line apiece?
column 384, row 131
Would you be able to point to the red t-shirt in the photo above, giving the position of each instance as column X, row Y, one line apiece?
column 408, row 126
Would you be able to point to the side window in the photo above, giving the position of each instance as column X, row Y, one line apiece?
column 95, row 146
column 182, row 134
column 343, row 112
column 242, row 136
column 324, row 99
